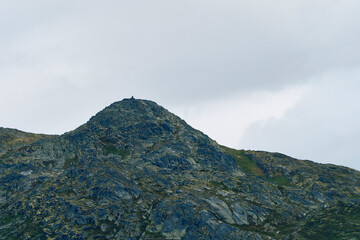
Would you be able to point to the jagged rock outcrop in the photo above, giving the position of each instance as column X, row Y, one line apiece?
column 136, row 171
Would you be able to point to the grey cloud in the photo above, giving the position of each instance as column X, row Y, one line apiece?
column 189, row 51
column 323, row 127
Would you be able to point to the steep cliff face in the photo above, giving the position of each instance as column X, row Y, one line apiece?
column 137, row 171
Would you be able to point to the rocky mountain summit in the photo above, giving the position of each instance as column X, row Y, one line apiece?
column 137, row 171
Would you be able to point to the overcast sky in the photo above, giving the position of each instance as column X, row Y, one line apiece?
column 265, row 75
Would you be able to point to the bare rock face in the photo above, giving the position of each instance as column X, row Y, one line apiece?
column 137, row 171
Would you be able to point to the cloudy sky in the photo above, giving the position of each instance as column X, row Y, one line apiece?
column 265, row 75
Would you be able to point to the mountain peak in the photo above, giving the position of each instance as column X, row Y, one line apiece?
column 154, row 134
column 129, row 109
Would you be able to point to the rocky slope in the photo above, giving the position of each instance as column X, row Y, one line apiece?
column 136, row 171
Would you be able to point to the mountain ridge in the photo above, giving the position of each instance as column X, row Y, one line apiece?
column 137, row 171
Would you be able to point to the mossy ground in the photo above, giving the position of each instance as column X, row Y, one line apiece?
column 69, row 162
column 116, row 151
column 249, row 166
column 280, row 181
column 339, row 222
column 245, row 163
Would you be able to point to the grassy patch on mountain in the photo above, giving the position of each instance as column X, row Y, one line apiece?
column 26, row 140
column 69, row 162
column 280, row 181
column 244, row 162
column 217, row 184
column 339, row 222
column 249, row 166
column 115, row 151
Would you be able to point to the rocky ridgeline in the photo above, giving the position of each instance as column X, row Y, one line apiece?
column 136, row 171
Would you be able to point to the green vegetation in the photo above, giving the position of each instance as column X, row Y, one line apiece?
column 249, row 166
column 158, row 145
column 68, row 192
column 32, row 230
column 351, row 194
column 244, row 162
column 69, row 162
column 116, row 151
column 154, row 235
column 29, row 228
column 7, row 218
column 280, row 181
column 5, row 156
column 339, row 222
column 218, row 185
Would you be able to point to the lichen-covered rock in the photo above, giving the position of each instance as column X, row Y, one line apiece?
column 220, row 209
